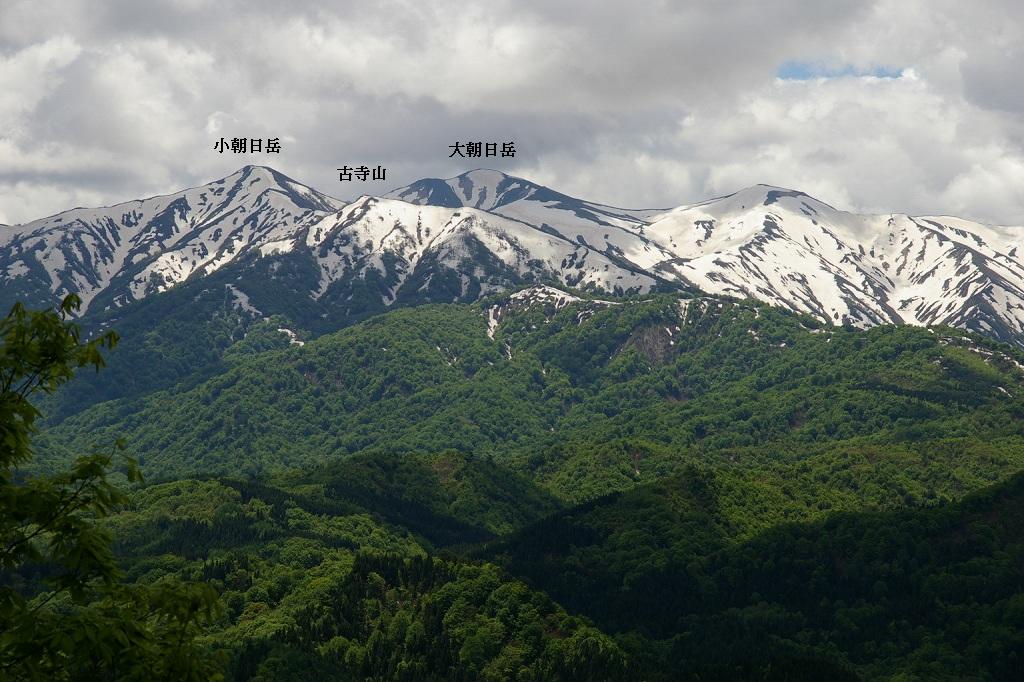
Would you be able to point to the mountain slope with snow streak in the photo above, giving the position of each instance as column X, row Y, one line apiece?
column 615, row 232
column 484, row 231
column 408, row 246
column 788, row 249
column 112, row 255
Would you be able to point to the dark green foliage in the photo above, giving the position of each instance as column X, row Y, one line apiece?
column 436, row 491
column 631, row 393
column 932, row 592
column 732, row 491
column 422, row 618
column 65, row 613
column 314, row 586
column 178, row 336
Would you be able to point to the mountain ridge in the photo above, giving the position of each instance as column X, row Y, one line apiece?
column 482, row 231
column 143, row 246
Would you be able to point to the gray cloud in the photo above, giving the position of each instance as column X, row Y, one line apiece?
column 641, row 103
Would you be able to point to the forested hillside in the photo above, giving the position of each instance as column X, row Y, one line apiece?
column 551, row 486
column 314, row 585
column 710, row 588
column 585, row 399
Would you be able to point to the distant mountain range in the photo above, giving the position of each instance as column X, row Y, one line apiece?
column 484, row 231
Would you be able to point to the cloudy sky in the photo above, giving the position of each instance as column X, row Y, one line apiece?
column 894, row 105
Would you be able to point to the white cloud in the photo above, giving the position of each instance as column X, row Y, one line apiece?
column 28, row 75
column 646, row 103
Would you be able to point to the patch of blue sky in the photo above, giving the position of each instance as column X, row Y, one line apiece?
column 804, row 71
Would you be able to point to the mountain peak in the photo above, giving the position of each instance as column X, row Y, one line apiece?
column 257, row 172
column 485, row 175
column 482, row 188
column 264, row 178
column 115, row 254
column 253, row 171
column 772, row 243
column 762, row 196
column 247, row 171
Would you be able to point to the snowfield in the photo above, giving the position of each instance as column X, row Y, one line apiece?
column 490, row 231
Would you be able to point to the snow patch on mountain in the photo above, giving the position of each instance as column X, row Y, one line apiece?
column 293, row 338
column 241, row 300
column 145, row 246
column 484, row 231
column 392, row 238
column 791, row 250
column 541, row 297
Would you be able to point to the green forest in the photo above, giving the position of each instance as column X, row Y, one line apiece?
column 646, row 488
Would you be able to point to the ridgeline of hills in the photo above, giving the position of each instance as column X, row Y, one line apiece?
column 396, row 455
column 278, row 244
column 590, row 395
column 545, row 485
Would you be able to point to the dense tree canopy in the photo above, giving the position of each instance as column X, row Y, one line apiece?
column 65, row 612
column 659, row 490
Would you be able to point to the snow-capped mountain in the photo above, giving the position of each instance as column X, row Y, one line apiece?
column 786, row 248
column 482, row 231
column 116, row 254
column 791, row 250
column 617, row 233
column 405, row 247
